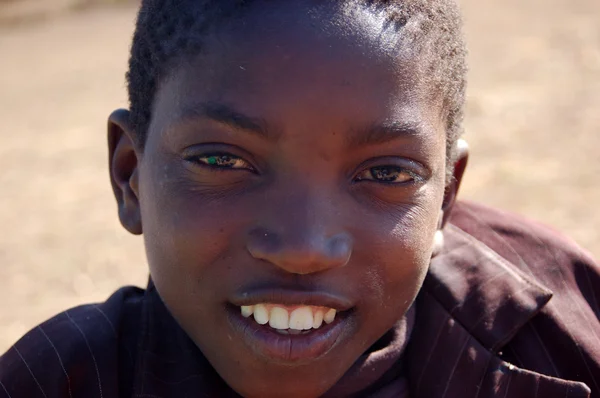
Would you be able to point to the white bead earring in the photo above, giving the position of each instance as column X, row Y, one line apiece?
column 438, row 242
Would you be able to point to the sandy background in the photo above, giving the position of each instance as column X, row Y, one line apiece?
column 533, row 125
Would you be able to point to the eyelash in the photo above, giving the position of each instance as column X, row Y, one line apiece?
column 371, row 174
column 214, row 161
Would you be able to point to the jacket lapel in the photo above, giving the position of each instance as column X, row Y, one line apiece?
column 489, row 296
column 475, row 302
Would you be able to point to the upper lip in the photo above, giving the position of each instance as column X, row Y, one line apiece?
column 291, row 297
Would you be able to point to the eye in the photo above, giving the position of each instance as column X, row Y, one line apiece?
column 388, row 175
column 222, row 161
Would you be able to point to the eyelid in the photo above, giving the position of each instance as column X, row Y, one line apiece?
column 216, row 155
column 418, row 170
column 219, row 168
column 414, row 178
column 216, row 148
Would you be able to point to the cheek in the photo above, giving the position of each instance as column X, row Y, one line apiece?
column 186, row 233
column 398, row 252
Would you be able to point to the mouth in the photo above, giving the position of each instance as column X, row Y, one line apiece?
column 288, row 332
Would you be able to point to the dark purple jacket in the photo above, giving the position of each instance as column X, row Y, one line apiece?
column 509, row 309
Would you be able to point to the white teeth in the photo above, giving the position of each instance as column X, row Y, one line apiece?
column 318, row 319
column 247, row 310
column 329, row 316
column 261, row 315
column 301, row 319
column 279, row 318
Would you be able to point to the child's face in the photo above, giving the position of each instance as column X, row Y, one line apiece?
column 287, row 166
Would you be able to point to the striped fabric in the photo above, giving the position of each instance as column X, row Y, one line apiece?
column 510, row 309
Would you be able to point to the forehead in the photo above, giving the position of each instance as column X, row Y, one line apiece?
column 326, row 61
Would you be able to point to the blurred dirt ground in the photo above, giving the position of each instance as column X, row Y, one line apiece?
column 533, row 124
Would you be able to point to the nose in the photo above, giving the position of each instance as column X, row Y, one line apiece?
column 301, row 228
column 301, row 251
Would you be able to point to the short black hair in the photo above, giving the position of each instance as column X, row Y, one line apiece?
column 169, row 29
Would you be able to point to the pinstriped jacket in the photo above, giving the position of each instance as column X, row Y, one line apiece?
column 508, row 309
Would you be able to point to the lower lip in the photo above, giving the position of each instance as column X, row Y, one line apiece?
column 288, row 348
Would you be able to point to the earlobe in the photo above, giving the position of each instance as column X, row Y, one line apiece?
column 460, row 164
column 123, row 165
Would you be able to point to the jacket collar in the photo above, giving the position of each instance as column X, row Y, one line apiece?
column 475, row 301
column 489, row 296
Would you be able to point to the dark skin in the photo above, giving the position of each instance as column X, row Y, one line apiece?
column 261, row 169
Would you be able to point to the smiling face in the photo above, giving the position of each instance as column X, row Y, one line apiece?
column 289, row 190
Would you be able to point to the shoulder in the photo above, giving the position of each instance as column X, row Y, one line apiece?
column 563, row 338
column 539, row 250
column 74, row 353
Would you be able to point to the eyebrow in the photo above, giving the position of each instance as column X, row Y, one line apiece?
column 227, row 115
column 375, row 134
column 383, row 133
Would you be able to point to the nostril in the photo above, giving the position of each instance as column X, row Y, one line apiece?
column 263, row 244
column 341, row 247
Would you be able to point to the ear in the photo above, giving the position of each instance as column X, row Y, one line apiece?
column 460, row 164
column 123, row 160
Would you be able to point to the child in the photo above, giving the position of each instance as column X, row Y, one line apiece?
column 294, row 166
